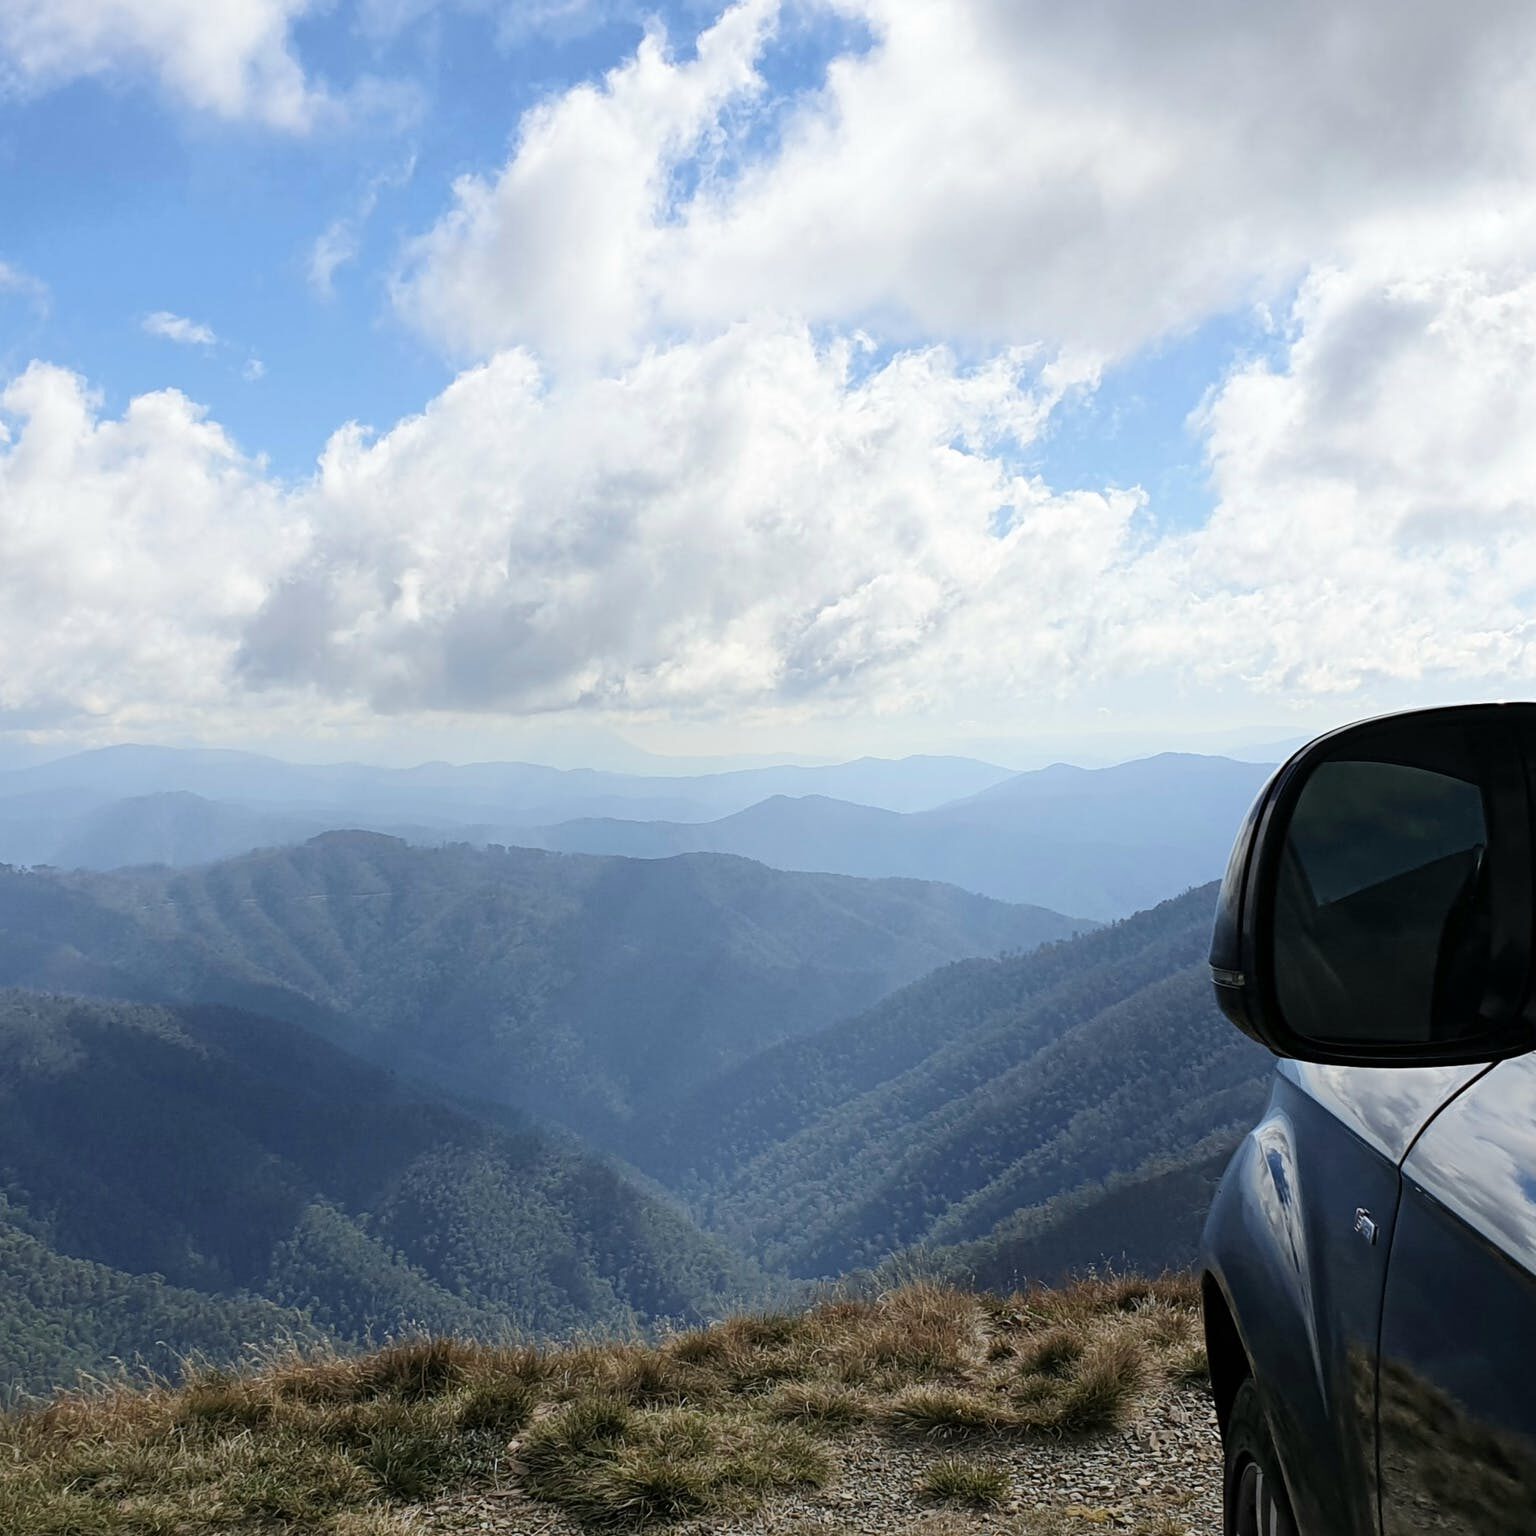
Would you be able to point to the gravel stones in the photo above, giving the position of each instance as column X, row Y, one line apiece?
column 1159, row 1477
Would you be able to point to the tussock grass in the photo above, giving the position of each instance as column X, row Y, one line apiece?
column 1053, row 1352
column 1189, row 1367
column 608, row 1464
column 817, row 1406
column 972, row 1483
column 944, row 1413
column 615, row 1434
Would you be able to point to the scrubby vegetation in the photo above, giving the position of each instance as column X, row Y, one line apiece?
column 709, row 1421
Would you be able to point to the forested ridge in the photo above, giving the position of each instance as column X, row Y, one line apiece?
column 986, row 1089
column 236, row 1156
column 589, row 989
column 63, row 1317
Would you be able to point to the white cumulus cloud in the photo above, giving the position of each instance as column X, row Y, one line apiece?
column 1377, row 514
column 132, row 552
column 561, row 250
column 1000, row 171
column 234, row 58
column 766, row 523
column 678, row 478
column 746, row 519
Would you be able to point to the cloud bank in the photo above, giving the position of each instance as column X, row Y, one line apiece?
column 234, row 58
column 678, row 476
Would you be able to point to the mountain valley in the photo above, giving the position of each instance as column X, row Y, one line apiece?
column 350, row 1085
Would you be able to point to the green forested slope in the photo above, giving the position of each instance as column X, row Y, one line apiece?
column 62, row 1316
column 589, row 989
column 986, row 1089
column 1147, row 1220
column 961, row 1025
column 235, row 1156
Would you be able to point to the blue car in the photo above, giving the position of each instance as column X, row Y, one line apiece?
column 1369, row 1262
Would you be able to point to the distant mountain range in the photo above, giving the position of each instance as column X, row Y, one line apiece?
column 1095, row 842
column 332, row 1087
column 586, row 989
column 1102, row 842
column 42, row 805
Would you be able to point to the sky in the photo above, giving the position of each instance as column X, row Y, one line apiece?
column 573, row 379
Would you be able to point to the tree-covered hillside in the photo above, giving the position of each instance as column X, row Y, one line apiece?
column 239, row 1157
column 219, row 1145
column 986, row 1089
column 61, row 1317
column 1149, row 1219
column 591, row 990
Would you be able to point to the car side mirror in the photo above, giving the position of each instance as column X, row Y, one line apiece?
column 1377, row 907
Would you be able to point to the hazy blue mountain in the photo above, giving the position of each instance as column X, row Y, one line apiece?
column 1102, row 841
column 173, row 828
column 985, row 1089
column 493, row 794
column 238, row 1157
column 590, row 990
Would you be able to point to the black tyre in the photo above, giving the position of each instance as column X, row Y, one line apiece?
column 1254, row 1501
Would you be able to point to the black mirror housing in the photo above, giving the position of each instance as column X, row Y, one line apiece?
column 1377, row 906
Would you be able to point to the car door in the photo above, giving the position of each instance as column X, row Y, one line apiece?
column 1301, row 1234
column 1457, row 1378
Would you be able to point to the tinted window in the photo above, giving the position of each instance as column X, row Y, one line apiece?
column 1385, row 902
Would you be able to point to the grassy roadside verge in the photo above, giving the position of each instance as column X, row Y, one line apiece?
column 705, row 1423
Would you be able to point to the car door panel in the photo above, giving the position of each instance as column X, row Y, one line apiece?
column 1306, row 1292
column 1458, row 1336
column 1303, row 1284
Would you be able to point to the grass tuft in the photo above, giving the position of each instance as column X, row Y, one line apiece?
column 972, row 1483
column 1189, row 1367
column 1101, row 1392
column 1053, row 1352
column 606, row 1464
column 817, row 1406
column 944, row 1413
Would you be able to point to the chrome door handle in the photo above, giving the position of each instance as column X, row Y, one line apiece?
column 1364, row 1225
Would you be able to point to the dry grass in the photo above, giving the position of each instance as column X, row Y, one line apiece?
column 608, row 1464
column 972, row 1483
column 818, row 1406
column 614, row 1434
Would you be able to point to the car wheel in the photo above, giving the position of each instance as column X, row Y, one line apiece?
column 1254, row 1500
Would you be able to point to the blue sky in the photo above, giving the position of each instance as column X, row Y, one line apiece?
column 127, row 205
column 810, row 377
